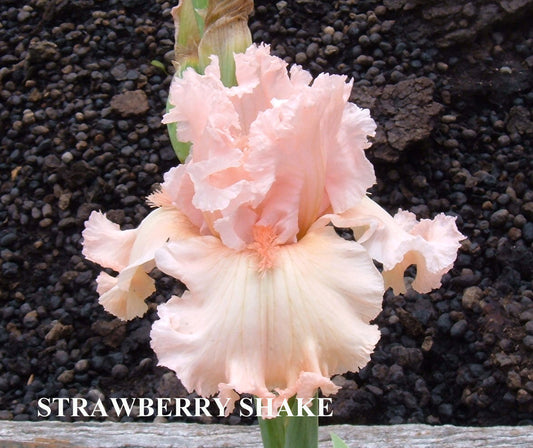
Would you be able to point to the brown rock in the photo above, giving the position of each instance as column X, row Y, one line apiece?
column 411, row 325
column 130, row 103
column 112, row 332
column 471, row 297
column 170, row 386
column 405, row 113
column 520, row 121
column 58, row 331
column 66, row 377
column 41, row 51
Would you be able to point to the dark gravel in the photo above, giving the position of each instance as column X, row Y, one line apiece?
column 451, row 88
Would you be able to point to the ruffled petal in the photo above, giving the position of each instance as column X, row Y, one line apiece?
column 433, row 252
column 268, row 332
column 292, row 143
column 177, row 191
column 400, row 241
column 125, row 298
column 104, row 242
column 349, row 173
column 203, row 113
column 124, row 295
column 262, row 78
column 278, row 147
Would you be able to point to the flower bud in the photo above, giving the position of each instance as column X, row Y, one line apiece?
column 205, row 28
column 226, row 33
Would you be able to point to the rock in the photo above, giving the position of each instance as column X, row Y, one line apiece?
column 528, row 341
column 405, row 112
column 170, row 386
column 41, row 51
column 66, row 377
column 78, row 174
column 120, row 72
column 81, row 365
column 499, row 218
column 119, row 371
column 58, row 331
column 131, row 103
column 471, row 297
column 112, row 332
column 31, row 319
column 407, row 357
column 520, row 121
column 411, row 324
column 459, row 328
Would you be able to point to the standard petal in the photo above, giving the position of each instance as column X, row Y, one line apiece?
column 400, row 241
column 203, row 112
column 270, row 332
column 349, row 173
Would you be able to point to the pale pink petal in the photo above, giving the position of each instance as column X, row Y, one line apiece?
column 104, row 242
column 433, row 253
column 260, row 78
column 236, row 229
column 124, row 295
column 349, row 173
column 217, row 181
column 277, row 149
column 178, row 190
column 104, row 282
column 400, row 241
column 203, row 113
column 160, row 226
column 311, row 148
column 290, row 143
column 126, row 298
column 284, row 329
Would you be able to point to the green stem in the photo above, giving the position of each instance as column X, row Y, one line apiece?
column 296, row 431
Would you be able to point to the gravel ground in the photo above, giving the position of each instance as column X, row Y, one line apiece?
column 450, row 85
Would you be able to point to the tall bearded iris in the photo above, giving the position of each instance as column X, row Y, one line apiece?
column 277, row 303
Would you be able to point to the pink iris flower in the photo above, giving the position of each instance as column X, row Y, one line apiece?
column 277, row 303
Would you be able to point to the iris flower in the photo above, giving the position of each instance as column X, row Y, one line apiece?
column 277, row 303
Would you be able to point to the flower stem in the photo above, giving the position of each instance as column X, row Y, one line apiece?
column 289, row 431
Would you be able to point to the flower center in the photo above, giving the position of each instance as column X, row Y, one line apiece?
column 242, row 143
column 264, row 245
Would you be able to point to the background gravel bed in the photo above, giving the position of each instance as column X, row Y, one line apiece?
column 450, row 85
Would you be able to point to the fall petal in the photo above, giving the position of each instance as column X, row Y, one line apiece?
column 258, row 331
column 125, row 298
column 134, row 250
column 400, row 241
column 104, row 242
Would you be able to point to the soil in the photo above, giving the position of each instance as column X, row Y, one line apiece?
column 450, row 85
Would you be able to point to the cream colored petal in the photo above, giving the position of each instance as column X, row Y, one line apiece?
column 400, row 241
column 284, row 330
